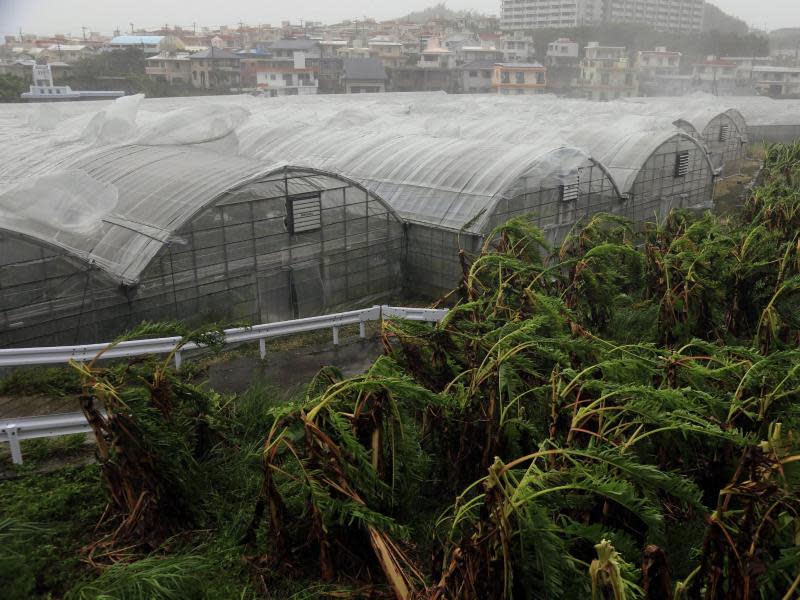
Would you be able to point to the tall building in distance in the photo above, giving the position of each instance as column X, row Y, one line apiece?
column 680, row 16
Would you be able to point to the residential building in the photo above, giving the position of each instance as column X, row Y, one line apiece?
column 387, row 50
column 519, row 78
column 173, row 69
column 423, row 79
column 354, row 51
column 659, row 61
column 149, row 44
column 249, row 62
column 776, row 82
column 518, row 46
column 288, row 78
column 215, row 69
column 68, row 53
column 563, row 65
column 288, row 49
column 680, row 16
column 363, row 76
column 562, row 51
column 476, row 77
column 471, row 54
column 606, row 74
column 435, row 56
column 745, row 64
column 715, row 75
column 330, row 66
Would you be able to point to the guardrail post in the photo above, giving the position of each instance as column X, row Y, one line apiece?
column 262, row 348
column 178, row 360
column 13, row 442
column 335, row 336
column 362, row 329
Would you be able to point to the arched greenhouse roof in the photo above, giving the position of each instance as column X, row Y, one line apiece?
column 114, row 206
column 450, row 182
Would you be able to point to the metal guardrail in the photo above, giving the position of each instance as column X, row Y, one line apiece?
column 15, row 357
column 13, row 431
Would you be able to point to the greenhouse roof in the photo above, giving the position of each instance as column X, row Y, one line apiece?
column 436, row 159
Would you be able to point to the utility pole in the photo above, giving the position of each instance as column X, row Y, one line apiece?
column 83, row 28
column 131, row 24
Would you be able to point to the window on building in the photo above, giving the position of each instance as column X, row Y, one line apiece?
column 604, row 78
column 682, row 163
column 473, row 73
column 520, row 77
column 724, row 132
column 305, row 213
column 505, row 77
column 487, row 74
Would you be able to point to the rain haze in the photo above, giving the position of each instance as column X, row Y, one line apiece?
column 68, row 16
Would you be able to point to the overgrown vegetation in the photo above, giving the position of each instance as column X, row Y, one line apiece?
column 617, row 418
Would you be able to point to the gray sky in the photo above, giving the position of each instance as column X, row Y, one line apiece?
column 67, row 16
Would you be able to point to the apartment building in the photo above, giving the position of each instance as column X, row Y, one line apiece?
column 519, row 78
column 534, row 14
column 681, row 16
column 607, row 74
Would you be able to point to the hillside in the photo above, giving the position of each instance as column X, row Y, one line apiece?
column 716, row 19
column 438, row 11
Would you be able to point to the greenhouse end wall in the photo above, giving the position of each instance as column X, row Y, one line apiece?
column 663, row 183
column 246, row 257
column 725, row 143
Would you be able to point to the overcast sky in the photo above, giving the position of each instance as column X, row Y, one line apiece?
column 67, row 16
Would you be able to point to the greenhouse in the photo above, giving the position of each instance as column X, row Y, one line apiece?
column 769, row 120
column 450, row 191
column 96, row 239
column 261, row 210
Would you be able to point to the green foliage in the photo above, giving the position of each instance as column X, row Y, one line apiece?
column 616, row 418
column 153, row 578
column 11, row 87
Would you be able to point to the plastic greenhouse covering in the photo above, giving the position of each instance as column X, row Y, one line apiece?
column 322, row 200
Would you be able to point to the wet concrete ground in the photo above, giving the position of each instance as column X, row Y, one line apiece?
column 291, row 370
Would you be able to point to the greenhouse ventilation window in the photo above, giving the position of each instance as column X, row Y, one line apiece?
column 569, row 191
column 306, row 213
column 682, row 163
column 724, row 132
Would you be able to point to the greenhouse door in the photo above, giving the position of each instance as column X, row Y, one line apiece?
column 309, row 294
column 275, row 296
